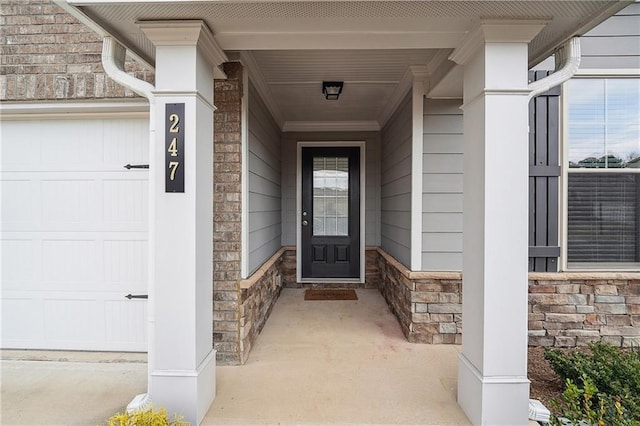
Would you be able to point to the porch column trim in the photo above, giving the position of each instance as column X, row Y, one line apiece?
column 420, row 75
column 187, row 33
column 182, row 360
column 495, row 30
column 492, row 371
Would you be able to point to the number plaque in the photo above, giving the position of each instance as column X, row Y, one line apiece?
column 174, row 148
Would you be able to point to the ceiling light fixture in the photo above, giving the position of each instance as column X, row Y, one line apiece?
column 332, row 89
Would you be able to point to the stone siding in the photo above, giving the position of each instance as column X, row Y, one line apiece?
column 565, row 309
column 289, row 268
column 372, row 276
column 573, row 309
column 396, row 289
column 428, row 305
column 227, row 215
column 257, row 298
column 46, row 54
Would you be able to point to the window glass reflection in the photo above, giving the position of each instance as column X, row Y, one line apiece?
column 330, row 196
column 604, row 123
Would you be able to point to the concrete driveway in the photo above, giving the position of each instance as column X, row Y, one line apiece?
column 70, row 388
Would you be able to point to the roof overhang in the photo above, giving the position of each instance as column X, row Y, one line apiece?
column 274, row 27
column 343, row 24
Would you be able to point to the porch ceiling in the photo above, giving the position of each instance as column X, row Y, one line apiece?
column 292, row 46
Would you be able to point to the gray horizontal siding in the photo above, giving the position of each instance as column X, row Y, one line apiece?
column 264, row 203
column 442, row 186
column 615, row 43
column 395, row 191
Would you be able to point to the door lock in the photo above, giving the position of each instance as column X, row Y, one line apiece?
column 305, row 223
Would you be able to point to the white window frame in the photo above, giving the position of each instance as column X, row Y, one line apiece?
column 594, row 74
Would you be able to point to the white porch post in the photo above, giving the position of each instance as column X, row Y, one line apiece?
column 492, row 370
column 181, row 356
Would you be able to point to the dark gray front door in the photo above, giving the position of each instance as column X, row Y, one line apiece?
column 330, row 212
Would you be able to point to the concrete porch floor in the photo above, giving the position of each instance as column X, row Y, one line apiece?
column 315, row 363
column 338, row 362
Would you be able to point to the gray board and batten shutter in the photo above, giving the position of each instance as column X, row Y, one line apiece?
column 544, row 178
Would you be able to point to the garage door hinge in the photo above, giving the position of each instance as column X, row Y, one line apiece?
column 137, row 296
column 136, row 166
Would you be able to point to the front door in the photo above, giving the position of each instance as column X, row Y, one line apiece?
column 330, row 212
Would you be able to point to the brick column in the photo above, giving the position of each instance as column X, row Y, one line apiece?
column 226, row 218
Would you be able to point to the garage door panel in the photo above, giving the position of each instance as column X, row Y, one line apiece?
column 126, row 321
column 23, row 320
column 20, row 264
column 70, row 201
column 70, row 264
column 125, row 265
column 80, row 143
column 69, row 319
column 108, row 202
column 79, row 321
column 74, row 234
column 61, row 145
column 119, row 150
column 125, row 202
column 17, row 192
column 26, row 154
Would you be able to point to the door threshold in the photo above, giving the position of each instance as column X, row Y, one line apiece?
column 330, row 281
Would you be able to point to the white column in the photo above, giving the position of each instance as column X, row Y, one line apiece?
column 492, row 371
column 181, row 356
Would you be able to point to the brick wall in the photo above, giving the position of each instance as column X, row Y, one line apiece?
column 573, row 309
column 46, row 54
column 227, row 215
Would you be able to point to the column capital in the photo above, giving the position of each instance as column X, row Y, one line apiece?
column 187, row 33
column 496, row 31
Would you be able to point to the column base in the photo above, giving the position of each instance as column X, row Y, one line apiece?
column 188, row 393
column 498, row 400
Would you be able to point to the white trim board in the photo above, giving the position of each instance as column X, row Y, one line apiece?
column 336, row 144
column 331, row 126
column 244, row 177
column 138, row 108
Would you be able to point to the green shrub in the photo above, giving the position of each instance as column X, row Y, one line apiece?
column 146, row 418
column 602, row 387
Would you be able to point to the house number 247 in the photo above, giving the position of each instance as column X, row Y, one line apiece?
column 174, row 148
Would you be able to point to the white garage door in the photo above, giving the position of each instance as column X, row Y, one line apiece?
column 74, row 234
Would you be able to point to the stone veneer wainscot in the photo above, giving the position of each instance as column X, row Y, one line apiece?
column 572, row 309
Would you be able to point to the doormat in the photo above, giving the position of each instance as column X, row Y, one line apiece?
column 330, row 294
